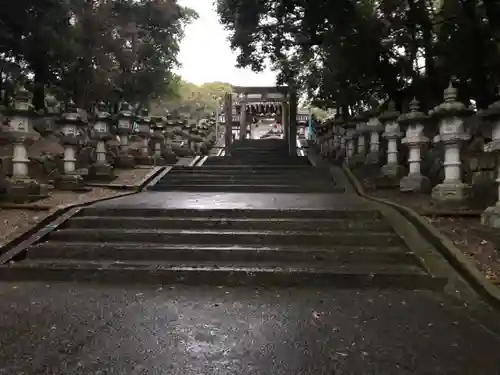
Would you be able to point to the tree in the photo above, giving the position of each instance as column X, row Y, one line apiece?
column 351, row 53
column 93, row 50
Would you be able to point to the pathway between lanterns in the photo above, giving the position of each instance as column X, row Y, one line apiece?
column 254, row 263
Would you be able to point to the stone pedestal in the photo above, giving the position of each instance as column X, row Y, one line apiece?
column 374, row 128
column 360, row 156
column 391, row 172
column 125, row 159
column 415, row 139
column 144, row 157
column 20, row 187
column 491, row 216
column 70, row 179
column 101, row 170
column 450, row 116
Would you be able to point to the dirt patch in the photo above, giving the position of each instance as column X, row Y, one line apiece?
column 460, row 224
column 479, row 243
column 131, row 177
column 14, row 222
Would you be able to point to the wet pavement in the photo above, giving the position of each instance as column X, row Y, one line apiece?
column 87, row 329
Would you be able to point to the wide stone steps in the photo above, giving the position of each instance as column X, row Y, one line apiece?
column 208, row 273
column 227, row 237
column 209, row 223
column 256, row 254
column 216, row 246
column 224, row 247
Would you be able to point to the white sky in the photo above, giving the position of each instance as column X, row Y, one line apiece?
column 205, row 54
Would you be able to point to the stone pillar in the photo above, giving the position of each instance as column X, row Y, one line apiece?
column 20, row 187
column 69, row 122
column 450, row 116
column 360, row 133
column 228, row 114
column 374, row 128
column 145, row 123
column 126, row 120
column 101, row 170
column 292, row 144
column 350, row 141
column 243, row 117
column 415, row 140
column 389, row 119
column 285, row 121
column 157, row 139
column 491, row 216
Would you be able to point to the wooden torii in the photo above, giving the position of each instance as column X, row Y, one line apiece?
column 276, row 95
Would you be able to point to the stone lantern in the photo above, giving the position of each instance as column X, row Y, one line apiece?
column 415, row 140
column 392, row 133
column 374, row 127
column 145, row 123
column 20, row 187
column 101, row 170
column 491, row 216
column 69, row 124
column 361, row 131
column 157, row 138
column 350, row 138
column 450, row 116
column 125, row 123
column 341, row 154
column 337, row 124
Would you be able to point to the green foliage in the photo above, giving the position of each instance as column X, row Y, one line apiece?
column 93, row 50
column 192, row 100
column 353, row 53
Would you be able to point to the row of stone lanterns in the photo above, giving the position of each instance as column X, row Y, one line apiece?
column 72, row 126
column 413, row 131
column 449, row 115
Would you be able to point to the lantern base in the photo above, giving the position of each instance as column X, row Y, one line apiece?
column 101, row 172
column 415, row 183
column 21, row 190
column 71, row 182
column 390, row 176
column 451, row 192
column 373, row 157
column 145, row 160
column 491, row 216
column 125, row 161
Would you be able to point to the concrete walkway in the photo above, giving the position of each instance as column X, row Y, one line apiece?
column 433, row 324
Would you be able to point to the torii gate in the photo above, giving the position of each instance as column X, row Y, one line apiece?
column 248, row 96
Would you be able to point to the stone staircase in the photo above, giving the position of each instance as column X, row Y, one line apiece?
column 220, row 246
column 267, row 168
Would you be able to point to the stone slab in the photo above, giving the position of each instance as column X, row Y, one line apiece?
column 196, row 200
column 88, row 329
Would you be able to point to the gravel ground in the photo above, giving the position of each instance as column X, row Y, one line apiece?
column 14, row 222
column 131, row 176
column 479, row 243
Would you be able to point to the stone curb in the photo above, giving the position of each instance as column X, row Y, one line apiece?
column 61, row 214
column 452, row 254
column 136, row 186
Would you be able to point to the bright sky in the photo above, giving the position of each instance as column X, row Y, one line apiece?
column 206, row 56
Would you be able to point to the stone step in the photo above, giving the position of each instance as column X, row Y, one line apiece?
column 267, row 214
column 153, row 252
column 241, row 180
column 293, row 177
column 232, row 237
column 247, row 188
column 222, row 274
column 268, row 224
column 264, row 167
